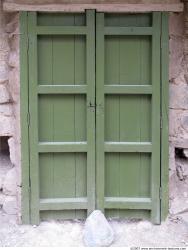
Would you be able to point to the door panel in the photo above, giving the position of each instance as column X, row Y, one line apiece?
column 128, row 114
column 62, row 127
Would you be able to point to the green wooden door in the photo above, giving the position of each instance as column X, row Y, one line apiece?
column 94, row 115
column 62, row 117
column 128, row 115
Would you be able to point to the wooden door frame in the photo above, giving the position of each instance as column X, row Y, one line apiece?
column 24, row 115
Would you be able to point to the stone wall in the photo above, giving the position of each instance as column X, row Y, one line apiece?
column 178, row 112
column 9, row 113
column 10, row 181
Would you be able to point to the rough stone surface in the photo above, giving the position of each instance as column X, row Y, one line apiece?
column 4, row 95
column 10, row 205
column 10, row 182
column 6, row 126
column 97, row 230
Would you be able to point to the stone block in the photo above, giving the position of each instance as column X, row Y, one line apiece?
column 176, row 47
column 4, row 94
column 13, row 59
column 176, row 26
column 10, row 205
column 10, row 182
column 178, row 96
column 6, row 109
column 6, row 126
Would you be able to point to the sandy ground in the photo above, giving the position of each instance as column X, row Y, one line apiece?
column 173, row 232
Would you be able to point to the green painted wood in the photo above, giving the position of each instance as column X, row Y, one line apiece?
column 164, row 112
column 90, row 19
column 127, row 112
column 33, row 109
column 55, row 147
column 65, row 89
column 127, row 147
column 127, row 203
column 24, row 109
column 60, row 30
column 128, row 31
column 63, row 204
column 155, row 173
column 127, row 89
column 100, row 171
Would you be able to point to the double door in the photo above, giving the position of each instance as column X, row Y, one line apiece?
column 94, row 107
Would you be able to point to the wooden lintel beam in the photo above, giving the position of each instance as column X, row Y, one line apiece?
column 123, row 8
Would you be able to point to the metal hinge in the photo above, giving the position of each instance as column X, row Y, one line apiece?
column 28, row 118
column 160, row 193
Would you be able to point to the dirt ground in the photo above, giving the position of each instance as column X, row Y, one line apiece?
column 173, row 232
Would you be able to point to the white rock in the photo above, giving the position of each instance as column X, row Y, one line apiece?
column 3, row 73
column 4, row 95
column 97, row 230
column 10, row 205
column 10, row 184
column 6, row 126
column 11, row 144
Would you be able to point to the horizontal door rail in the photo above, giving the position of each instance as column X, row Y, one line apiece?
column 128, row 147
column 128, row 31
column 61, row 30
column 62, row 89
column 63, row 203
column 66, row 147
column 127, row 203
column 128, row 89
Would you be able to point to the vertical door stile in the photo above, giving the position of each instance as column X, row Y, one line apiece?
column 90, row 62
column 33, row 102
column 155, row 171
column 164, row 113
column 100, row 172
column 24, row 123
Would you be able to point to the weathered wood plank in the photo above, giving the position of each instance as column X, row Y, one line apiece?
column 100, row 158
column 127, row 147
column 142, row 31
column 33, row 105
column 90, row 75
column 45, row 147
column 155, row 162
column 61, row 30
column 63, row 203
column 127, row 203
column 24, row 109
column 62, row 89
column 127, row 89
column 165, row 111
column 123, row 8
